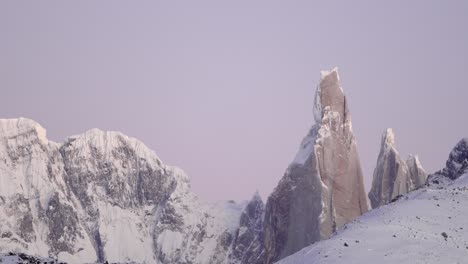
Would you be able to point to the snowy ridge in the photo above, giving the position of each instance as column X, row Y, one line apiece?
column 104, row 196
column 307, row 146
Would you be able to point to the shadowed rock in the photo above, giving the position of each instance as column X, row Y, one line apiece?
column 456, row 165
column 248, row 247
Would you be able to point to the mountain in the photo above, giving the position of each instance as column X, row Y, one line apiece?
column 456, row 165
column 323, row 187
column 104, row 196
column 394, row 177
column 427, row 225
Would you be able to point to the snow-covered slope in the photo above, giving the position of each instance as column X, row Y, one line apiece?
column 37, row 216
column 428, row 225
column 105, row 196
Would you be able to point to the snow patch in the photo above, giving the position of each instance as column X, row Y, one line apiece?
column 325, row 73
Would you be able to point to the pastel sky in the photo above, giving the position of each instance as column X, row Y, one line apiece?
column 224, row 89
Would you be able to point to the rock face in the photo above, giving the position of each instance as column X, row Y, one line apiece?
column 248, row 243
column 104, row 196
column 456, row 165
column 393, row 176
column 323, row 188
column 427, row 225
column 37, row 214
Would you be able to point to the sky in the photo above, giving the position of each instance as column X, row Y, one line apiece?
column 224, row 89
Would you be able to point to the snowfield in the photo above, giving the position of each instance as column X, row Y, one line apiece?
column 429, row 225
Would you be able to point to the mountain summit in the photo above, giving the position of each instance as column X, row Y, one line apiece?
column 394, row 177
column 104, row 196
column 323, row 187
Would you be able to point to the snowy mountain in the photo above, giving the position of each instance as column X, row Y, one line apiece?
column 427, row 225
column 393, row 176
column 104, row 196
column 323, row 188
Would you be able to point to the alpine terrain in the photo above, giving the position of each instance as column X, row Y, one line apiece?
column 427, row 225
column 103, row 196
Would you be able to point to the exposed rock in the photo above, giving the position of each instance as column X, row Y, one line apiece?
column 102, row 196
column 417, row 174
column 323, row 188
column 394, row 177
column 456, row 165
column 32, row 188
column 13, row 258
column 248, row 245
column 411, row 230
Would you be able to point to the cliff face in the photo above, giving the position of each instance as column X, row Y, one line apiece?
column 323, row 188
column 37, row 215
column 394, row 177
column 456, row 165
column 428, row 224
column 104, row 196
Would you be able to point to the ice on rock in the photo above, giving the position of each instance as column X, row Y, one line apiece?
column 389, row 137
column 34, row 201
column 105, row 196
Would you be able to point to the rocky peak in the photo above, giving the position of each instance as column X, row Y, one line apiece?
column 21, row 129
column 115, row 167
column 330, row 100
column 456, row 165
column 417, row 173
column 393, row 176
column 248, row 247
column 388, row 138
column 105, row 196
column 323, row 188
column 36, row 212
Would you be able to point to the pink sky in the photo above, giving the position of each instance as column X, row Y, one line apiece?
column 224, row 89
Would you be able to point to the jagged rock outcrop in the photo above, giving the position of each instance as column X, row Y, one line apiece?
column 416, row 171
column 323, row 188
column 248, row 244
column 37, row 215
column 104, row 196
column 394, row 177
column 456, row 165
